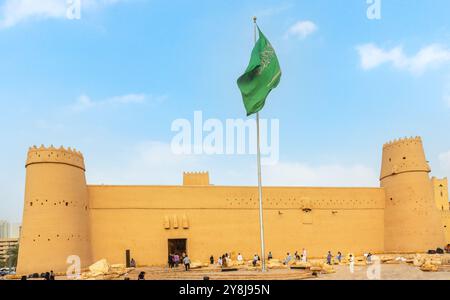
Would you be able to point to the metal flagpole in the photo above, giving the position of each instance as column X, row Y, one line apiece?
column 261, row 215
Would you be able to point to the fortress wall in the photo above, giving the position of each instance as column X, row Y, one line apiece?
column 233, row 197
column 215, row 220
column 63, row 216
column 440, row 193
column 446, row 222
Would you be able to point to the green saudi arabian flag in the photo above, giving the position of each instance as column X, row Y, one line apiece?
column 262, row 75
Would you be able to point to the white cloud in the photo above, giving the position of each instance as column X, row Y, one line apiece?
column 434, row 55
column 84, row 102
column 154, row 163
column 13, row 12
column 444, row 159
column 301, row 29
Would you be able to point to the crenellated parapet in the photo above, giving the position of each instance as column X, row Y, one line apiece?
column 401, row 141
column 51, row 154
column 195, row 178
column 404, row 155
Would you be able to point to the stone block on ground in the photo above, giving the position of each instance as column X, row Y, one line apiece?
column 100, row 267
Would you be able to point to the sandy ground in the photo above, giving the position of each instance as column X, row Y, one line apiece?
column 387, row 272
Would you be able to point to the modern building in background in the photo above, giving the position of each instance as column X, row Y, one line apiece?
column 9, row 230
column 9, row 237
column 4, row 229
column 5, row 245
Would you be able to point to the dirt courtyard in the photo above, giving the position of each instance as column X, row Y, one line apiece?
column 387, row 272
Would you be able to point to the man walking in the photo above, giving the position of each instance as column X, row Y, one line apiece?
column 329, row 257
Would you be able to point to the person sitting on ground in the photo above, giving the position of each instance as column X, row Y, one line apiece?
column 288, row 259
column 47, row 276
column 255, row 260
column 329, row 257
column 240, row 258
column 187, row 263
column 132, row 263
column 369, row 258
column 141, row 276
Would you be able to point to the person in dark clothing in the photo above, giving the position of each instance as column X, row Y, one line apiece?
column 211, row 260
column 132, row 263
column 52, row 275
column 141, row 276
column 329, row 257
column 47, row 276
column 170, row 260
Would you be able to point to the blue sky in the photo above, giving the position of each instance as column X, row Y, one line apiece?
column 111, row 83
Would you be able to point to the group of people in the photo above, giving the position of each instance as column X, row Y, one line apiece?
column 298, row 257
column 46, row 276
column 49, row 275
column 329, row 258
column 368, row 257
column 225, row 259
column 175, row 260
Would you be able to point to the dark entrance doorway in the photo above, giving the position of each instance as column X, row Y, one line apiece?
column 177, row 246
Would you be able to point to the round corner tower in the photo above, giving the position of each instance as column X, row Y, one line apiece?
column 56, row 213
column 412, row 222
